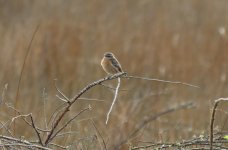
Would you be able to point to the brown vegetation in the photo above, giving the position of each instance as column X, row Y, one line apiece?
column 172, row 40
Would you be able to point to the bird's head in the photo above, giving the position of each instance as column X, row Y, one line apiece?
column 108, row 55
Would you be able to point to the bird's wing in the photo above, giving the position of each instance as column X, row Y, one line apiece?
column 116, row 64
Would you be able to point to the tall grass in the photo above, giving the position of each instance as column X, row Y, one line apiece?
column 172, row 40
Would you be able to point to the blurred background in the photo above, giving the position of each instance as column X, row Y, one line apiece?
column 177, row 40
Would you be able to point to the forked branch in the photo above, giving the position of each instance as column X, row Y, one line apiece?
column 71, row 101
column 74, row 99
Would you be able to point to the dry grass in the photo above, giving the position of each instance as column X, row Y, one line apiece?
column 172, row 40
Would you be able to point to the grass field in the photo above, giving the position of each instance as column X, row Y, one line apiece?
column 172, row 40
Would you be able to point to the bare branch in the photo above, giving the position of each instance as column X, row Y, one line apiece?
column 68, row 122
column 4, row 93
column 58, row 146
column 27, row 122
column 32, row 124
column 82, row 98
column 91, row 137
column 65, row 97
column 37, row 132
column 75, row 98
column 159, row 80
column 56, row 112
column 91, row 99
column 4, row 126
column 188, row 144
column 213, row 118
column 19, row 116
column 112, row 88
column 154, row 117
column 113, row 102
column 66, row 133
column 62, row 99
column 55, row 115
column 19, row 142
column 166, row 111
column 44, row 96
column 23, row 66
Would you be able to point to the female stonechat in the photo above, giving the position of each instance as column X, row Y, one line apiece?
column 110, row 64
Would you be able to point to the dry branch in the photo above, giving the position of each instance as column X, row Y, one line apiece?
column 213, row 118
column 114, row 100
column 65, row 99
column 35, row 128
column 70, row 102
column 74, row 99
column 202, row 142
column 19, row 142
column 158, row 115
column 24, row 119
column 154, row 117
column 159, row 80
column 112, row 88
column 22, row 69
column 68, row 122
column 62, row 110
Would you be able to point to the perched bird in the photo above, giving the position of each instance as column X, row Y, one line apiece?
column 110, row 64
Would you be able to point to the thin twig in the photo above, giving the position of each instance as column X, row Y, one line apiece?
column 154, row 117
column 159, row 80
column 44, row 110
column 75, row 142
column 65, row 97
column 4, row 126
column 82, row 98
column 213, row 118
column 75, row 98
column 32, row 124
column 113, row 102
column 14, row 145
column 68, row 122
column 112, row 88
column 188, row 144
column 18, row 116
column 55, row 115
column 27, row 122
column 4, row 93
column 22, row 69
column 62, row 99
column 56, row 112
column 59, row 146
column 67, row 133
column 91, row 99
column 37, row 132
column 26, row 143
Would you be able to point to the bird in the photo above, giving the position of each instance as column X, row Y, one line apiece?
column 110, row 64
